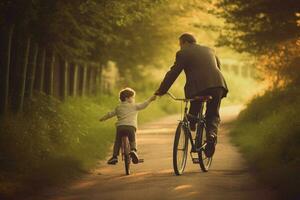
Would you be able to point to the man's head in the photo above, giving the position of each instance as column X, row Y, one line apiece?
column 186, row 39
column 127, row 94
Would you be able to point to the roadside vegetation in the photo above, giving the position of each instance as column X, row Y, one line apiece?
column 267, row 132
column 53, row 141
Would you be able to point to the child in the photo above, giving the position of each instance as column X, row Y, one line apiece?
column 126, row 113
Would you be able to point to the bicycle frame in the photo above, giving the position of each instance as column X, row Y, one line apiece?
column 198, row 143
column 185, row 121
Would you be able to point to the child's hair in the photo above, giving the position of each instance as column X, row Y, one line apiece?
column 126, row 93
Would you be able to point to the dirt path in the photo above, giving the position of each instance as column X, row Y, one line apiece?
column 228, row 178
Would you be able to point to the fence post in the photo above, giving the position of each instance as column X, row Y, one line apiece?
column 91, row 85
column 75, row 80
column 23, row 75
column 33, row 70
column 65, row 84
column 6, row 65
column 42, row 77
column 84, row 80
column 51, row 74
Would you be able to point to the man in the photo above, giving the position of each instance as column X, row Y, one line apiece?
column 203, row 77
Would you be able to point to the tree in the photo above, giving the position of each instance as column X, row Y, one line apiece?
column 258, row 26
column 267, row 30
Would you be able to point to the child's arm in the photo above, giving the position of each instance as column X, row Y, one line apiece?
column 141, row 106
column 108, row 115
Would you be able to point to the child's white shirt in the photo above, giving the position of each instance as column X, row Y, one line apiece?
column 127, row 113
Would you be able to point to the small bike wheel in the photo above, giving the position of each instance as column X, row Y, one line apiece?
column 126, row 154
column 204, row 161
column 180, row 149
column 127, row 164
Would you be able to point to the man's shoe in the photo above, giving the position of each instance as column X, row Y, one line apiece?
column 134, row 157
column 210, row 145
column 112, row 161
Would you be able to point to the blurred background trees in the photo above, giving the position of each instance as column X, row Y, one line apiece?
column 269, row 30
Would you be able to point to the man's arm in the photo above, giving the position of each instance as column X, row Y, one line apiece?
column 141, row 106
column 108, row 115
column 171, row 75
column 218, row 63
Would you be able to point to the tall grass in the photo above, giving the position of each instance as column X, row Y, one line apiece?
column 267, row 132
column 54, row 141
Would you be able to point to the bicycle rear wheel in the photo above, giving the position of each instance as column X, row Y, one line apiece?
column 204, row 161
column 180, row 149
column 127, row 164
column 126, row 154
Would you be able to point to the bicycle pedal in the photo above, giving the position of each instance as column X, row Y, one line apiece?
column 195, row 160
column 141, row 160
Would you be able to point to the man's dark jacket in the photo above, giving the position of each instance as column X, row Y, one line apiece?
column 202, row 70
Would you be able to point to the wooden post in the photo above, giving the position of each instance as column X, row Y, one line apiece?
column 6, row 65
column 23, row 75
column 33, row 70
column 66, row 80
column 75, row 80
column 84, row 80
column 42, row 77
column 51, row 74
column 97, row 80
column 91, row 86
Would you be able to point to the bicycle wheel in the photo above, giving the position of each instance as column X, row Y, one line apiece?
column 204, row 161
column 126, row 154
column 180, row 149
column 127, row 164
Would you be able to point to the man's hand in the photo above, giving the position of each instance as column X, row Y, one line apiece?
column 153, row 98
column 101, row 119
column 157, row 93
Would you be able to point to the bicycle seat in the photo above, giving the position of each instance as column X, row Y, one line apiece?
column 203, row 98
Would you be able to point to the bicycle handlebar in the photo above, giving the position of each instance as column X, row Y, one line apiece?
column 203, row 98
column 178, row 99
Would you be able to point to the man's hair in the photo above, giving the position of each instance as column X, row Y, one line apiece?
column 189, row 38
column 126, row 93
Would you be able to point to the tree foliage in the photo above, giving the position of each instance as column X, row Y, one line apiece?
column 258, row 26
column 268, row 30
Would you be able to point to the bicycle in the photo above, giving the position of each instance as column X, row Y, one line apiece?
column 183, row 134
column 125, row 149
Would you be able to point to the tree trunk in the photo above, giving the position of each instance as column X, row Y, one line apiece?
column 42, row 78
column 23, row 76
column 66, row 80
column 97, row 85
column 33, row 70
column 51, row 74
column 100, row 76
column 84, row 80
column 75, row 80
column 6, row 74
column 91, row 85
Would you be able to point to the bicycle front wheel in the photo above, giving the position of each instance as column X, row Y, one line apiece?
column 180, row 149
column 126, row 154
column 204, row 161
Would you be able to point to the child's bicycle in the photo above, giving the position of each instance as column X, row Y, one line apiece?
column 125, row 149
column 183, row 134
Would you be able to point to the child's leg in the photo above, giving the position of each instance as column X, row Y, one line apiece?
column 132, row 141
column 117, row 144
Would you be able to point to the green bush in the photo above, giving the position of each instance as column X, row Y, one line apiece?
column 267, row 132
column 53, row 141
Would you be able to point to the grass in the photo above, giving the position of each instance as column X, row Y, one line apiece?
column 53, row 142
column 267, row 132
